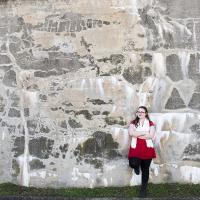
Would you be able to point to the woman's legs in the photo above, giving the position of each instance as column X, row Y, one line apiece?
column 135, row 164
column 145, row 164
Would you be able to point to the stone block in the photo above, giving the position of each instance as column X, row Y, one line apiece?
column 113, row 120
column 10, row 78
column 14, row 113
column 36, row 126
column 117, row 59
column 101, row 145
column 197, row 34
column 41, row 147
column 3, row 31
column 18, row 147
column 64, row 148
column 2, row 104
column 181, row 8
column 175, row 101
column 85, row 113
column 133, row 76
column 173, row 68
column 36, row 164
column 53, row 66
column 15, row 168
column 4, row 59
column 195, row 128
column 74, row 124
column 15, row 99
column 195, row 101
column 192, row 152
column 194, row 67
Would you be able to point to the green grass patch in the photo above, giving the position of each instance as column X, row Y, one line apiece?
column 154, row 190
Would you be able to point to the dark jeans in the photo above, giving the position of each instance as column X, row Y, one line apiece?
column 144, row 164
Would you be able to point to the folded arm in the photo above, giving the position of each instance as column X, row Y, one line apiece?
column 132, row 132
column 150, row 135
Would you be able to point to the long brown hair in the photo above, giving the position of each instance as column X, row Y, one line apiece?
column 136, row 120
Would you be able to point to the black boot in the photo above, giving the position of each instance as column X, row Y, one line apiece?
column 143, row 191
column 137, row 170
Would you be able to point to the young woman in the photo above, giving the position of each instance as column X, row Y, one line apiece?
column 141, row 150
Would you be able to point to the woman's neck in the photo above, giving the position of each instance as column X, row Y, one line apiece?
column 142, row 120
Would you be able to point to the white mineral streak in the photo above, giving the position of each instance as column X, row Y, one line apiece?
column 194, row 35
column 91, row 183
column 135, row 179
column 76, row 175
column 133, row 58
column 155, row 168
column 109, row 167
column 86, row 175
column 113, row 109
column 114, row 81
column 184, row 60
column 83, row 82
column 32, row 98
column 105, row 182
column 199, row 65
column 42, row 174
column 158, row 65
column 40, row 54
column 164, row 27
column 159, row 93
column 115, row 132
column 129, row 96
column 121, row 136
column 21, row 83
column 24, row 168
column 145, row 91
column 91, row 84
column 176, row 122
column 24, row 159
column 5, row 65
column 3, row 135
column 52, row 174
column 100, row 82
column 190, row 174
column 125, row 137
column 134, row 6
column 129, row 6
column 184, row 31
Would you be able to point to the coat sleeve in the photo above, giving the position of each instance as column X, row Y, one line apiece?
column 151, row 123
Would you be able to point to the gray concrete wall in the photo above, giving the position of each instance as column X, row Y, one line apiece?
column 72, row 74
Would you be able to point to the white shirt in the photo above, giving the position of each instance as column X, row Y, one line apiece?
column 145, row 127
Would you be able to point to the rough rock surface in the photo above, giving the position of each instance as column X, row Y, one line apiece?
column 72, row 74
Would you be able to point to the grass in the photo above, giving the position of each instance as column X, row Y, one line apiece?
column 154, row 190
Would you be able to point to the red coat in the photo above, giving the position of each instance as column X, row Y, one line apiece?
column 142, row 151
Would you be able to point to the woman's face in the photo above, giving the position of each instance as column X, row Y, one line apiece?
column 141, row 113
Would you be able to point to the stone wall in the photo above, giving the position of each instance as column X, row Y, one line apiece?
column 72, row 74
